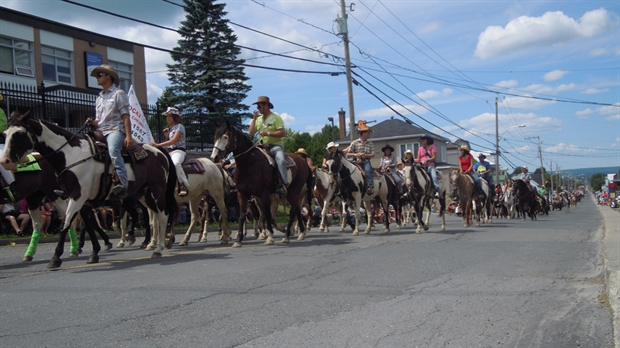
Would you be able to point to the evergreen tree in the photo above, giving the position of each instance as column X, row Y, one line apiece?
column 208, row 84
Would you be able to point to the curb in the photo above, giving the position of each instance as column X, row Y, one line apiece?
column 611, row 261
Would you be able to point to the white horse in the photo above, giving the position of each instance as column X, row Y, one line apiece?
column 482, row 205
column 509, row 202
column 325, row 193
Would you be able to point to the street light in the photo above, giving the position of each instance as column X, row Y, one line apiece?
column 331, row 119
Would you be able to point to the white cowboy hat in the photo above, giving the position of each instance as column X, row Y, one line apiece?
column 174, row 111
column 331, row 144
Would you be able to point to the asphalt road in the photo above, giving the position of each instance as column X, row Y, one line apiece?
column 511, row 283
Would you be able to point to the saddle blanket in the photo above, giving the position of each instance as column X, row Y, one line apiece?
column 192, row 166
column 33, row 166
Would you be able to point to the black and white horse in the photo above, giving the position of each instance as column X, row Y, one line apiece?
column 421, row 189
column 152, row 180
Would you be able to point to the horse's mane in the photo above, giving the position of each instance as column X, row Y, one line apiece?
column 61, row 131
column 219, row 132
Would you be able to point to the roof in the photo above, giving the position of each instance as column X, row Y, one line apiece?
column 393, row 129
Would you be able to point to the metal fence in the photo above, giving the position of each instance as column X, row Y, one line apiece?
column 69, row 107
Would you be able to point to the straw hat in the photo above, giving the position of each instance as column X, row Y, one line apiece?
column 174, row 111
column 106, row 69
column 264, row 99
column 408, row 151
column 301, row 151
column 465, row 147
column 331, row 144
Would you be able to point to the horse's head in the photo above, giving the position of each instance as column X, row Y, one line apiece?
column 454, row 175
column 224, row 137
column 408, row 171
column 18, row 140
column 334, row 162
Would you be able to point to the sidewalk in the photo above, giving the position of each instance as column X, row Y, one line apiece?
column 611, row 250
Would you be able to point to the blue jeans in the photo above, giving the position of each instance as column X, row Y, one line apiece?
column 433, row 173
column 278, row 153
column 476, row 180
column 116, row 141
column 368, row 170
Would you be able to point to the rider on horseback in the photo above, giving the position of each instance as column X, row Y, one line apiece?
column 363, row 150
column 270, row 127
column 466, row 166
column 427, row 155
column 112, row 119
column 388, row 166
column 176, row 145
column 483, row 168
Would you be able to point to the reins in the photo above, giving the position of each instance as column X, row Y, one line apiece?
column 55, row 151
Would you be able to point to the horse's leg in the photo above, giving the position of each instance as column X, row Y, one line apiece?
column 429, row 201
column 89, row 225
column 35, row 216
column 116, row 226
column 243, row 203
column 72, row 211
column 154, row 227
column 221, row 204
column 267, row 209
column 193, row 209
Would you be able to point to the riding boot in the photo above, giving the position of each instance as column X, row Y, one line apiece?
column 281, row 187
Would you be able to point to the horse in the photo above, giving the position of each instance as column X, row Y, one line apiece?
column 325, row 192
column 509, row 202
column 212, row 182
column 465, row 193
column 421, row 189
column 484, row 202
column 254, row 176
column 152, row 180
column 353, row 188
column 129, row 207
column 526, row 200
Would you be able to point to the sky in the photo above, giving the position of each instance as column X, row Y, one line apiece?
column 554, row 66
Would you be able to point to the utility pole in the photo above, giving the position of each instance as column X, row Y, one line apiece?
column 496, row 144
column 343, row 29
column 542, row 168
column 551, row 171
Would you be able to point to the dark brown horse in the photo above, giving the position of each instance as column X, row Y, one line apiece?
column 525, row 198
column 254, row 176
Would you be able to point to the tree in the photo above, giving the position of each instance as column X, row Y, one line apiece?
column 207, row 82
column 597, row 180
column 314, row 144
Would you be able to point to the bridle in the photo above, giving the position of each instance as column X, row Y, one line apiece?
column 234, row 137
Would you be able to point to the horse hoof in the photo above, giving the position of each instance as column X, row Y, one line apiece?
column 302, row 236
column 387, row 230
column 169, row 243
column 224, row 241
column 156, row 255
column 237, row 245
column 341, row 229
column 149, row 247
column 269, row 242
column 120, row 245
column 109, row 246
column 425, row 227
column 261, row 237
column 27, row 259
column 286, row 240
column 54, row 263
column 356, row 233
column 73, row 254
column 143, row 245
column 93, row 259
column 131, row 240
column 367, row 232
column 183, row 243
column 203, row 240
column 79, row 251
column 443, row 228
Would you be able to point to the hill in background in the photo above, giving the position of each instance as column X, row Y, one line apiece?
column 587, row 172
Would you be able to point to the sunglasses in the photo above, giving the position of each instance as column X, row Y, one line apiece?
column 101, row 74
column 258, row 105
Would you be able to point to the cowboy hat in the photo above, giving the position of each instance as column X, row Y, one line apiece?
column 387, row 146
column 264, row 99
column 302, row 150
column 408, row 151
column 482, row 155
column 106, row 69
column 331, row 144
column 363, row 127
column 428, row 138
column 465, row 147
column 524, row 167
column 174, row 111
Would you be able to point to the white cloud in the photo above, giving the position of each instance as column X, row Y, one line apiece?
column 315, row 128
column 485, row 124
column 561, row 147
column 429, row 27
column 386, row 112
column 507, row 83
column 618, row 139
column 531, row 32
column 583, row 114
column 153, row 92
column 609, row 110
column 289, row 120
column 599, row 52
column 527, row 103
column 433, row 94
column 614, row 145
column 554, row 75
column 613, row 118
column 594, row 91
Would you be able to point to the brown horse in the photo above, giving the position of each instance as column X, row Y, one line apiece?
column 465, row 193
column 526, row 199
column 254, row 176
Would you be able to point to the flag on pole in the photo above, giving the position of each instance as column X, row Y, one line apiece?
column 139, row 127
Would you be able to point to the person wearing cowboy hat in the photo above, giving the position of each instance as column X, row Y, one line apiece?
column 11, row 188
column 302, row 152
column 484, row 169
column 175, row 145
column 363, row 150
column 270, row 127
column 466, row 166
column 408, row 160
column 331, row 148
column 388, row 165
column 112, row 119
column 427, row 156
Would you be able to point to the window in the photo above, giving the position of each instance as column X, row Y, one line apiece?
column 413, row 147
column 57, row 65
column 16, row 57
column 443, row 154
column 125, row 74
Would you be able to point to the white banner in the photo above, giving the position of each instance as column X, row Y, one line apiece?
column 139, row 127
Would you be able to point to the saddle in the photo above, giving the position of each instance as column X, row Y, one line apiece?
column 192, row 166
column 272, row 161
column 99, row 148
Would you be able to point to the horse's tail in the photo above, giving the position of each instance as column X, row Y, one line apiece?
column 172, row 208
column 310, row 188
